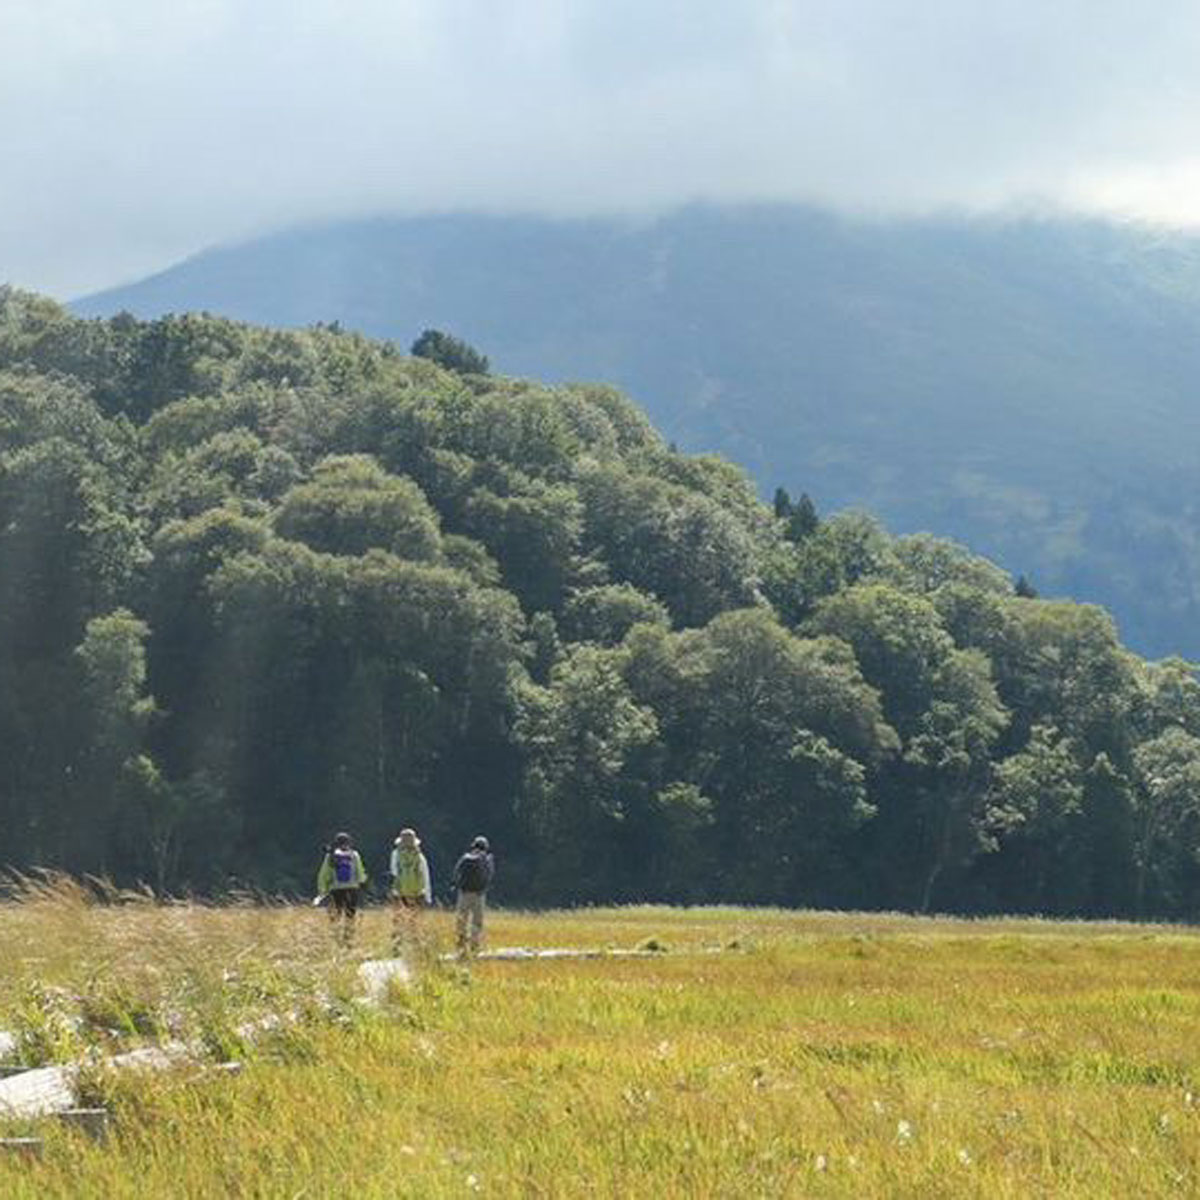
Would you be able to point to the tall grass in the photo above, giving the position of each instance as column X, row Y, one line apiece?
column 765, row 1053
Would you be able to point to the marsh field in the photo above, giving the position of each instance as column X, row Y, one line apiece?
column 743, row 1053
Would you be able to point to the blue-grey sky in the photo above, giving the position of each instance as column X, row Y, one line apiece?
column 135, row 132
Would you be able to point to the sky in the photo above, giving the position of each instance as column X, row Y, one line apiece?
column 136, row 132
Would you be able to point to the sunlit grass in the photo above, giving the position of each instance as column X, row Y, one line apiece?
column 765, row 1053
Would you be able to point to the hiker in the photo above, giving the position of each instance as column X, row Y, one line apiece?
column 411, row 889
column 472, row 877
column 341, row 877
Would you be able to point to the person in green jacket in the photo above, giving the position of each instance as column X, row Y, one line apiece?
column 411, row 888
column 341, row 877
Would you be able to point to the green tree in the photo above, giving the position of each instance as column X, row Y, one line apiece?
column 949, row 755
column 1036, row 806
column 777, row 731
column 605, row 614
column 351, row 505
column 942, row 702
column 925, row 564
column 578, row 734
column 670, row 542
column 450, row 352
column 534, row 536
column 681, row 855
column 1172, row 695
column 1166, row 810
column 1108, row 818
column 799, row 517
column 354, row 685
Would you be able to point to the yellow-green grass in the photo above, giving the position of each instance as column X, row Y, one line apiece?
column 765, row 1053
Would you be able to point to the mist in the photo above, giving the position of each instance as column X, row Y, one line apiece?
column 135, row 133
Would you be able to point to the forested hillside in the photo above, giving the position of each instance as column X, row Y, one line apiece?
column 256, row 585
column 1026, row 386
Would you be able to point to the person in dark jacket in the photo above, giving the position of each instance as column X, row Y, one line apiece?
column 472, row 877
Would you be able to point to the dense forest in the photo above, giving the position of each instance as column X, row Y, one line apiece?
column 257, row 585
column 1026, row 386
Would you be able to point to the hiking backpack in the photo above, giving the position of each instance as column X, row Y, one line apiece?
column 473, row 873
column 408, row 873
column 343, row 868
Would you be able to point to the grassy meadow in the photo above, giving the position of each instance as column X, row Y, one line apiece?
column 760, row 1053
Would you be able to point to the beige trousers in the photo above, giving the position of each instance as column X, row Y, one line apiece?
column 469, row 920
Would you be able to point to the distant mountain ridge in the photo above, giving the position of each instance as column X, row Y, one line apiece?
column 1025, row 386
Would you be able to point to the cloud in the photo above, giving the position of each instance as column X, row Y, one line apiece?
column 135, row 132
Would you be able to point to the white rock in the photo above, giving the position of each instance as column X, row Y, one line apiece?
column 378, row 974
column 38, row 1093
column 155, row 1058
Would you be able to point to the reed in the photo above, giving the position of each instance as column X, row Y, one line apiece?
column 761, row 1053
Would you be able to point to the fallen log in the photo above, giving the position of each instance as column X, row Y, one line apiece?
column 45, row 1091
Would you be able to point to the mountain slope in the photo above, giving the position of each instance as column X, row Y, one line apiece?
column 1026, row 387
